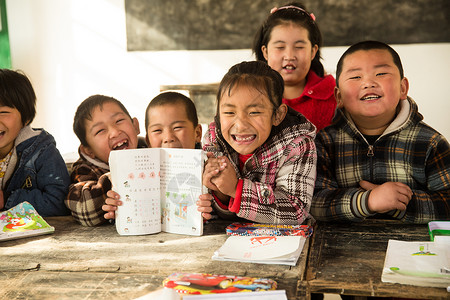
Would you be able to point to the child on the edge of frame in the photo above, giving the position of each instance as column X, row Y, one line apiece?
column 289, row 41
column 102, row 124
column 31, row 167
column 170, row 122
column 262, row 161
column 378, row 158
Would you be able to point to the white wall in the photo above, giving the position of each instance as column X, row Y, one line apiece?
column 72, row 49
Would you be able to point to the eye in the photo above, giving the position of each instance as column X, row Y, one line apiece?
column 254, row 113
column 119, row 121
column 381, row 73
column 156, row 131
column 355, row 77
column 99, row 132
column 228, row 113
column 178, row 127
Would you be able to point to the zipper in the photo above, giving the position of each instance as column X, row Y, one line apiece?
column 370, row 151
column 370, row 155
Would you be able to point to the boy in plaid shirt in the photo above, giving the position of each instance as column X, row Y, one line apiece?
column 102, row 124
column 378, row 158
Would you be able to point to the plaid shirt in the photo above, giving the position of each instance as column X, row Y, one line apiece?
column 409, row 151
column 278, row 180
column 87, row 193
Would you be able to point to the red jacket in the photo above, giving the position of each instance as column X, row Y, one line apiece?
column 317, row 102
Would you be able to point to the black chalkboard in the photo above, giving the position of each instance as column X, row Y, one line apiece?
column 231, row 24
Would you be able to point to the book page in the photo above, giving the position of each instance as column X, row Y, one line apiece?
column 181, row 185
column 261, row 249
column 135, row 175
column 417, row 263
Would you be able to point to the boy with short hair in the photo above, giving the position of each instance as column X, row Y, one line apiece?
column 378, row 158
column 102, row 124
column 170, row 122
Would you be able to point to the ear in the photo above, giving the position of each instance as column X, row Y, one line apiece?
column 338, row 96
column 198, row 133
column 136, row 125
column 87, row 150
column 280, row 114
column 404, row 87
column 314, row 51
column 264, row 52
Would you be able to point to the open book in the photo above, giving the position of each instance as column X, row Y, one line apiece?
column 22, row 221
column 159, row 188
column 417, row 263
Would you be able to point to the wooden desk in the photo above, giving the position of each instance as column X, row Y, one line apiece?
column 349, row 258
column 79, row 262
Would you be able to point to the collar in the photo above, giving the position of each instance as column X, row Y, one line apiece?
column 319, row 88
column 94, row 161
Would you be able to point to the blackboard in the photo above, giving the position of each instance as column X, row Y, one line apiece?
column 154, row 25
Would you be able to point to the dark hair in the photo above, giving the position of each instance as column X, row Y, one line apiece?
column 84, row 112
column 365, row 46
column 255, row 74
column 17, row 92
column 283, row 16
column 173, row 98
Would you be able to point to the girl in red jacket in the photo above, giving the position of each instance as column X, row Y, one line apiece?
column 289, row 41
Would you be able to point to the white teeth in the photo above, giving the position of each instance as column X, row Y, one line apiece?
column 245, row 139
column 289, row 67
column 370, row 98
column 118, row 145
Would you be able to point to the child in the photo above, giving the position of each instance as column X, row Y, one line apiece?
column 170, row 122
column 379, row 158
column 263, row 162
column 102, row 124
column 31, row 168
column 289, row 41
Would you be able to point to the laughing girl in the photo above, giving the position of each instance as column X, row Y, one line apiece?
column 262, row 158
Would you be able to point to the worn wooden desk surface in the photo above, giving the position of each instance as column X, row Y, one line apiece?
column 79, row 262
column 349, row 259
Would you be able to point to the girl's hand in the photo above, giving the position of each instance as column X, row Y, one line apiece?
column 226, row 179
column 212, row 168
column 111, row 204
column 204, row 205
column 387, row 196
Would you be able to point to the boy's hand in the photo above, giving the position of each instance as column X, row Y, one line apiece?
column 111, row 204
column 387, row 196
column 204, row 205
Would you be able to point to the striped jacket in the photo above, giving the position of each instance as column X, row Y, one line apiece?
column 409, row 151
column 278, row 180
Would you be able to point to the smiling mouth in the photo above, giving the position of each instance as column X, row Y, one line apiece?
column 121, row 145
column 243, row 139
column 289, row 67
column 371, row 97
